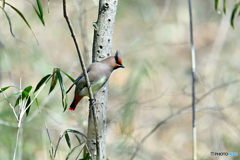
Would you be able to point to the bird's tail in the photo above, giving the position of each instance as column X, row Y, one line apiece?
column 75, row 101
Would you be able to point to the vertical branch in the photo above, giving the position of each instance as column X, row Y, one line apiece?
column 102, row 44
column 194, row 129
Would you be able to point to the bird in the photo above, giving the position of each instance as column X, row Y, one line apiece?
column 98, row 73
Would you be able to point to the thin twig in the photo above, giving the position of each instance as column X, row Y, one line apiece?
column 194, row 128
column 16, row 144
column 49, row 139
column 9, row 104
column 65, row 14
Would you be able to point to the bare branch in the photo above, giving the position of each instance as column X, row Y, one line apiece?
column 65, row 14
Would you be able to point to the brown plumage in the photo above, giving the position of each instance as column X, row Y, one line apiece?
column 98, row 73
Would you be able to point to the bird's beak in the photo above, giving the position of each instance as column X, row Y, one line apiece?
column 121, row 66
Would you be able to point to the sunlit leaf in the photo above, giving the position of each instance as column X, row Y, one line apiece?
column 72, row 79
column 67, row 139
column 15, row 94
column 5, row 88
column 37, row 102
column 54, row 80
column 9, row 21
column 41, row 82
column 25, row 94
column 22, row 16
column 63, row 90
column 233, row 13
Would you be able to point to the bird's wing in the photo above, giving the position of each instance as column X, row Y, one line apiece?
column 79, row 77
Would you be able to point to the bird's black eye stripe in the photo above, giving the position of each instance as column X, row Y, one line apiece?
column 116, row 59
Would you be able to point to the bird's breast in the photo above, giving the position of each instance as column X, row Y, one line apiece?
column 95, row 85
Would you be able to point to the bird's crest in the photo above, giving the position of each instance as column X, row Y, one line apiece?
column 118, row 57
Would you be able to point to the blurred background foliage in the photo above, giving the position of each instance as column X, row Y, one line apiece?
column 154, row 38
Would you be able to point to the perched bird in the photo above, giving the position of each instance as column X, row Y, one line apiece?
column 98, row 73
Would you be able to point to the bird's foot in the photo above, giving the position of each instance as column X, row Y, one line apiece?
column 93, row 100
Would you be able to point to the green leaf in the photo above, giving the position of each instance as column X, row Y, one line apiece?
column 233, row 14
column 40, row 10
column 224, row 6
column 25, row 94
column 54, row 80
column 15, row 94
column 22, row 16
column 28, row 102
column 5, row 88
column 37, row 102
column 17, row 101
column 72, row 150
column 3, row 4
column 216, row 4
column 77, row 132
column 9, row 21
column 67, row 139
column 63, row 90
column 87, row 157
column 79, row 141
column 41, row 82
column 72, row 79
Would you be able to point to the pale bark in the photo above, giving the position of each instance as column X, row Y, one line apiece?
column 102, row 44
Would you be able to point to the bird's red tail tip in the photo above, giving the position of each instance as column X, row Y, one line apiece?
column 71, row 108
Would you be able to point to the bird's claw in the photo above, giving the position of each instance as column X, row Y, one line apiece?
column 93, row 100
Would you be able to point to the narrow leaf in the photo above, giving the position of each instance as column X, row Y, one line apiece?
column 72, row 79
column 5, row 88
column 79, row 141
column 37, row 102
column 41, row 82
column 41, row 11
column 15, row 94
column 54, row 80
column 17, row 101
column 3, row 4
column 39, row 15
column 216, row 4
column 28, row 102
column 63, row 90
column 67, row 139
column 22, row 16
column 233, row 13
column 25, row 94
column 224, row 6
column 72, row 150
column 28, row 89
column 87, row 157
column 77, row 132
column 9, row 21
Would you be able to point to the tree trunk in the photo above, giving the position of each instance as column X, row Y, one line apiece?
column 102, row 44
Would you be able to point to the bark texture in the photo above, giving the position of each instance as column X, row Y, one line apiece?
column 102, row 44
